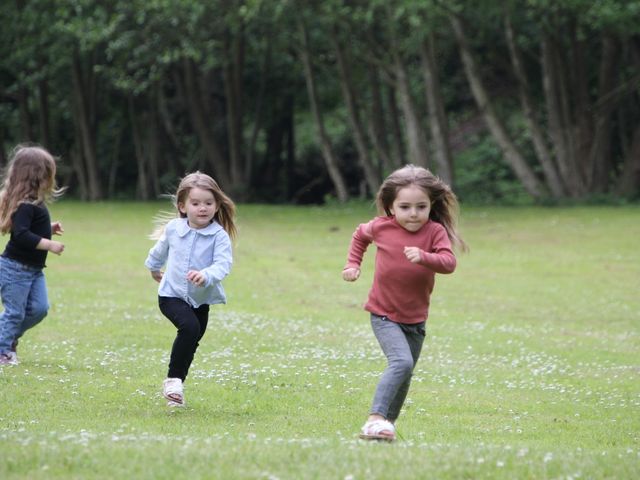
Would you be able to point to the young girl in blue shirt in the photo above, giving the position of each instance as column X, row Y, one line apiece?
column 29, row 182
column 195, row 249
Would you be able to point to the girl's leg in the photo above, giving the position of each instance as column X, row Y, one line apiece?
column 400, row 363
column 15, row 286
column 37, row 304
column 202, row 314
column 415, row 338
column 185, row 320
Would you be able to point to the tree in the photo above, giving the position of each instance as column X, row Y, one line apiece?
column 274, row 98
column 323, row 139
column 579, row 92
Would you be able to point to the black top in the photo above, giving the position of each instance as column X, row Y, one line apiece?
column 30, row 224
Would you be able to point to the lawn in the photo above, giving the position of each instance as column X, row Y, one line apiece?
column 530, row 369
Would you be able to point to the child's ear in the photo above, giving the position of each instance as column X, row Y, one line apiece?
column 181, row 208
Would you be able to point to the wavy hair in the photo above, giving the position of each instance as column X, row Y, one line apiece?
column 444, row 203
column 226, row 209
column 30, row 177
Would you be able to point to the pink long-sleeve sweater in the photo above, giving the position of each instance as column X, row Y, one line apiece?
column 401, row 290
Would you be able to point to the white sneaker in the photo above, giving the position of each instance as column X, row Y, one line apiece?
column 7, row 359
column 378, row 430
column 14, row 353
column 173, row 391
column 14, row 358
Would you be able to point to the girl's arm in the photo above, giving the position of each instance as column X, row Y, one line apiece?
column 158, row 257
column 22, row 234
column 51, row 245
column 440, row 259
column 360, row 240
column 222, row 260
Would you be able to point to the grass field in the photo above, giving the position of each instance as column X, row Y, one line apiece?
column 530, row 369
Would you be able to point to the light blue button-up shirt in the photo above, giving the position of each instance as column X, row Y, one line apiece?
column 183, row 248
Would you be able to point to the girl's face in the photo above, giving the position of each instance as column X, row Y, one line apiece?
column 411, row 207
column 200, row 207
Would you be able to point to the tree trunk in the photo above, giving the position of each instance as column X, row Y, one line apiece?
column 600, row 154
column 291, row 144
column 560, row 133
column 165, row 117
column 201, row 126
column 265, row 71
column 113, row 168
column 629, row 179
column 567, row 169
column 396, row 130
column 437, row 116
column 154, row 154
column 270, row 173
column 26, row 129
column 514, row 158
column 376, row 124
column 79, row 168
column 232, row 76
column 577, row 100
column 43, row 107
column 416, row 139
column 84, row 100
column 535, row 130
column 167, row 125
column 325, row 145
column 351, row 103
column 142, row 187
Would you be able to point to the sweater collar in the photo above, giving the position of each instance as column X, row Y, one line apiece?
column 183, row 228
column 393, row 219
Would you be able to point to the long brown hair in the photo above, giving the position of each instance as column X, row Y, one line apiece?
column 30, row 177
column 226, row 209
column 444, row 203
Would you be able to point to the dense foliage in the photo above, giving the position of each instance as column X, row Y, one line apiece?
column 286, row 100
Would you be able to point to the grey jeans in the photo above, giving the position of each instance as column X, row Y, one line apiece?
column 401, row 345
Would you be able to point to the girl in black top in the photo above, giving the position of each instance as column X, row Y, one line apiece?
column 28, row 184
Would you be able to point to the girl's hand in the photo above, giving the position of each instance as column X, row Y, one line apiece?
column 52, row 246
column 157, row 276
column 196, row 277
column 56, row 228
column 56, row 247
column 412, row 254
column 350, row 274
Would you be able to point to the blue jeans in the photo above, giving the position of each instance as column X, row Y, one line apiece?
column 401, row 345
column 24, row 295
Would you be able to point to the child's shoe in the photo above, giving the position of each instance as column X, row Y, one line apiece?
column 173, row 391
column 378, row 430
column 14, row 352
column 8, row 359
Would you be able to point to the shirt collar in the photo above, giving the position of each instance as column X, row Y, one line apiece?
column 183, row 228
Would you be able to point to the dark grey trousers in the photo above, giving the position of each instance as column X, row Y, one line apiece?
column 401, row 345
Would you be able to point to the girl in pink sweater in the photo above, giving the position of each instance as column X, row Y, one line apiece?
column 414, row 241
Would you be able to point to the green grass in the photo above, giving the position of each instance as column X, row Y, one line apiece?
column 531, row 366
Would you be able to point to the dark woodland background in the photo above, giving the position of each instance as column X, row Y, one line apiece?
column 309, row 101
